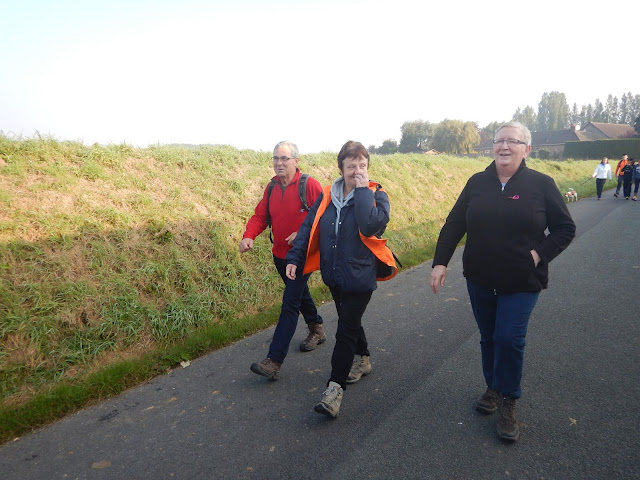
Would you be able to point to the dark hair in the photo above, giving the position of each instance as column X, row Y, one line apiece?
column 352, row 149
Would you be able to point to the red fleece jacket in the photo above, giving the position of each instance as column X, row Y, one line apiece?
column 287, row 213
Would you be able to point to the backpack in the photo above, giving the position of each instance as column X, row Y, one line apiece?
column 302, row 193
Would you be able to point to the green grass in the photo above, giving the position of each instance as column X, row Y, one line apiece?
column 118, row 263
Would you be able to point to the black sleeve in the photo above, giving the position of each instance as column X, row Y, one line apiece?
column 453, row 230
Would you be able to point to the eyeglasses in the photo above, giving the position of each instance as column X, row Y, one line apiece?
column 282, row 159
column 509, row 142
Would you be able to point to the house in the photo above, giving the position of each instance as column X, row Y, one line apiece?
column 553, row 140
column 609, row 130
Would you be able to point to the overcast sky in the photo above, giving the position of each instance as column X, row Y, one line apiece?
column 249, row 73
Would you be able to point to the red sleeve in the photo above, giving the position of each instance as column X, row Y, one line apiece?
column 314, row 189
column 258, row 221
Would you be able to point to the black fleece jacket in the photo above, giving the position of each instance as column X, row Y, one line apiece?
column 503, row 226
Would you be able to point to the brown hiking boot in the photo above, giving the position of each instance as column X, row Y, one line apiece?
column 360, row 367
column 507, row 426
column 316, row 337
column 488, row 402
column 267, row 368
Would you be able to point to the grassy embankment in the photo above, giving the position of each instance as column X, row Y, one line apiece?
column 116, row 263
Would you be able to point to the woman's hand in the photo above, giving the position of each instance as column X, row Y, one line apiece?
column 291, row 271
column 438, row 277
column 362, row 179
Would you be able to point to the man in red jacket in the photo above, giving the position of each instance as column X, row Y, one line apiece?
column 287, row 213
column 620, row 174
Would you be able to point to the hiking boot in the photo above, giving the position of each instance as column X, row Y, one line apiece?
column 267, row 368
column 507, row 426
column 488, row 402
column 316, row 337
column 331, row 400
column 361, row 366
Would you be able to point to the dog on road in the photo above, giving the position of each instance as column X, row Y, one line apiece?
column 571, row 195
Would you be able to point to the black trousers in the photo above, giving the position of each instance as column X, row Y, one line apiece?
column 350, row 337
column 599, row 185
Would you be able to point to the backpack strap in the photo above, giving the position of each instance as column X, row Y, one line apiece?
column 302, row 190
column 272, row 184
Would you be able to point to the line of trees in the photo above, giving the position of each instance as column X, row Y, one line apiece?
column 458, row 137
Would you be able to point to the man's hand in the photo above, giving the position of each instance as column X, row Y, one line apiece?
column 536, row 257
column 291, row 238
column 437, row 278
column 245, row 245
column 291, row 271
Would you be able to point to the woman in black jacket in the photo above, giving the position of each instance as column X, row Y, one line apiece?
column 504, row 211
column 338, row 236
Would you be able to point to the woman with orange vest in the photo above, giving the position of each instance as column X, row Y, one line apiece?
column 340, row 238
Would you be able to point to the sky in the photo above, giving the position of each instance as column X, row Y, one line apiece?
column 250, row 73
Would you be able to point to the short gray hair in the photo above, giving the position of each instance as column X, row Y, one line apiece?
column 525, row 131
column 292, row 146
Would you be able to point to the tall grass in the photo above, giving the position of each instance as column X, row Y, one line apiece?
column 112, row 256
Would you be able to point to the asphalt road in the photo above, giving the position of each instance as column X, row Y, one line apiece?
column 413, row 417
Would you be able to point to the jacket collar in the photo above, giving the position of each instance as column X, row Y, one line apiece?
column 492, row 168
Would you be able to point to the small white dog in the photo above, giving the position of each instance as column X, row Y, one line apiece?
column 571, row 195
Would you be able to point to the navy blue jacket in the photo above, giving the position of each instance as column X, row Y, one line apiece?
column 345, row 261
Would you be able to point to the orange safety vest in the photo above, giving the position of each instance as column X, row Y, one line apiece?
column 376, row 245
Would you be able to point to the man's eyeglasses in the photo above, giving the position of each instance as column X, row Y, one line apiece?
column 283, row 159
column 509, row 142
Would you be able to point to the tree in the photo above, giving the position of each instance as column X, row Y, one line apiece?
column 388, row 146
column 575, row 116
column 553, row 112
column 415, row 135
column 598, row 111
column 455, row 137
column 489, row 131
column 589, row 117
column 625, row 116
column 372, row 149
column 636, row 126
column 611, row 112
column 527, row 117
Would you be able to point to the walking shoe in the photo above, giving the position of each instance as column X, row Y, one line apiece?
column 488, row 402
column 634, row 198
column 507, row 425
column 267, row 368
column 615, row 195
column 626, row 198
column 361, row 366
column 331, row 400
column 316, row 337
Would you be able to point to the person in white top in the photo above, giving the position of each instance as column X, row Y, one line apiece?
column 602, row 173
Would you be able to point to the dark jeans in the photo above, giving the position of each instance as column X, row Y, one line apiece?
column 599, row 184
column 627, row 188
column 620, row 180
column 635, row 188
column 502, row 319
column 296, row 298
column 350, row 337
